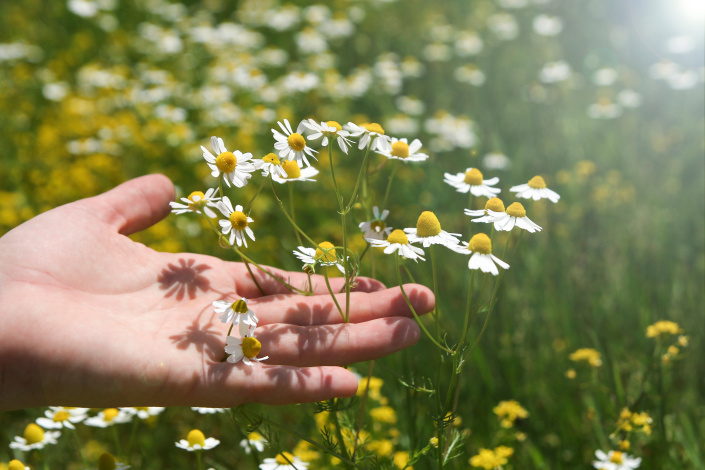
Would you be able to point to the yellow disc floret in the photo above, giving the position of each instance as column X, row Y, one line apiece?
column 15, row 465
column 106, row 462
column 285, row 458
column 480, row 243
column 428, row 225
column 398, row 236
column 378, row 226
column 296, row 141
column 239, row 220
column 196, row 437
column 292, row 169
column 325, row 252
column 226, row 162
column 239, row 306
column 473, row 177
column 196, row 197
column 61, row 416
column 495, row 204
column 663, row 327
column 255, row 436
column 271, row 158
column 400, row 149
column 373, row 127
column 616, row 457
column 335, row 124
column 515, row 209
column 33, row 434
column 537, row 182
column 250, row 347
column 109, row 414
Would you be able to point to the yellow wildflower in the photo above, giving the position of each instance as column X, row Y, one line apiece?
column 663, row 327
column 509, row 411
column 588, row 355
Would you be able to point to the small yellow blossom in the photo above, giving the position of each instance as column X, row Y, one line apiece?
column 401, row 460
column 663, row 327
column 305, row 451
column 570, row 373
column 588, row 355
column 683, row 341
column 381, row 447
column 509, row 411
column 384, row 414
column 624, row 445
column 489, row 459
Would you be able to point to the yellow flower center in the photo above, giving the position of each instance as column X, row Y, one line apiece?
column 196, row 437
column 196, row 204
column 15, row 465
column 106, row 462
column 254, row 436
column 239, row 220
column 373, row 127
column 495, row 204
column 515, row 209
column 292, row 169
column 400, row 149
column 480, row 243
column 325, row 252
column 271, row 158
column 428, row 225
column 398, row 236
column 33, row 433
column 239, row 306
column 335, row 124
column 473, row 177
column 285, row 458
column 250, row 347
column 109, row 414
column 296, row 141
column 226, row 162
column 61, row 416
column 378, row 226
column 537, row 182
column 616, row 457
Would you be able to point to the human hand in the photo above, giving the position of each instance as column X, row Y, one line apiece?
column 91, row 318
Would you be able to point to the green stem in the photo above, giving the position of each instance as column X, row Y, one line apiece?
column 360, row 176
column 389, row 184
column 293, row 212
column 466, row 322
column 487, row 319
column 281, row 206
column 248, row 207
column 436, row 308
column 118, row 447
column 80, row 449
column 220, row 184
column 199, row 459
column 252, row 276
column 131, row 441
column 332, row 294
column 338, row 429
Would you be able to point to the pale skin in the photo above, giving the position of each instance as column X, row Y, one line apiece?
column 91, row 318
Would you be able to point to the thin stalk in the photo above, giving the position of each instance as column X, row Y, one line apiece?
column 80, row 449
column 389, row 184
column 466, row 322
column 332, row 294
column 293, row 213
column 360, row 176
column 487, row 319
column 281, row 206
column 362, row 408
column 436, row 308
column 116, row 438
column 199, row 459
column 338, row 429
column 248, row 207
column 220, row 184
column 252, row 276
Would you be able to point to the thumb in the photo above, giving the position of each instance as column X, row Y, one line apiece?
column 136, row 204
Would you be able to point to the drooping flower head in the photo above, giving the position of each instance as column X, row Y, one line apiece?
column 376, row 228
column 328, row 130
column 370, row 133
column 428, row 232
column 270, row 163
column 535, row 189
column 293, row 172
column 323, row 255
column 197, row 202
column 472, row 181
column 400, row 149
column 480, row 249
column 244, row 349
column 237, row 223
column 398, row 242
column 493, row 212
column 196, row 440
column 238, row 312
column 514, row 215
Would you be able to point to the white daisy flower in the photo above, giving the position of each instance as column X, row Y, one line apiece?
column 323, row 255
column 397, row 241
column 144, row 412
column 473, row 181
column 371, row 134
column 330, row 129
column 238, row 313
column 237, row 223
column 495, row 206
column 107, row 460
column 480, row 247
column 428, row 232
column 283, row 461
column 208, row 411
column 16, row 465
column 270, row 163
column 376, row 228
column 401, row 150
column 292, row 145
column 615, row 460
column 197, row 202
column 58, row 417
column 535, row 189
column 514, row 215
column 235, row 167
column 34, row 438
column 244, row 349
column 295, row 173
column 108, row 417
column 254, row 441
column 197, row 441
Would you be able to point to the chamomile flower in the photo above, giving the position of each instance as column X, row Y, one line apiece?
column 144, row 412
column 400, row 149
column 16, row 465
column 283, row 461
column 428, row 232
column 197, row 202
column 58, row 417
column 108, row 417
column 208, row 411
column 514, row 215
column 244, row 349
column 323, row 255
column 270, row 163
column 376, row 228
column 615, row 460
column 107, row 461
column 398, row 242
column 535, row 189
column 328, row 130
column 295, row 173
column 472, row 181
column 237, row 223
column 371, row 134
column 34, row 438
column 492, row 213
column 292, row 145
column 195, row 440
column 254, row 441
column 480, row 249
column 236, row 168
column 238, row 313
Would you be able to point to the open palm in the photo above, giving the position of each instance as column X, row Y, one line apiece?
column 91, row 318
